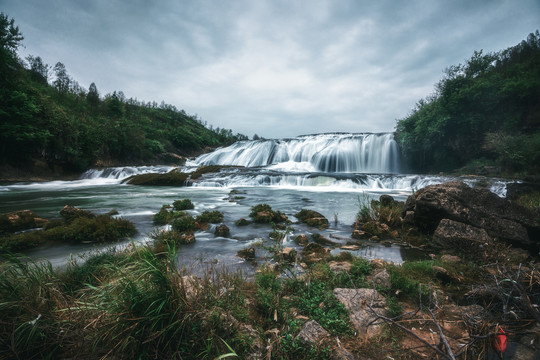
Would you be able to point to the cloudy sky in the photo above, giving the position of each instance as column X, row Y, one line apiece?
column 274, row 68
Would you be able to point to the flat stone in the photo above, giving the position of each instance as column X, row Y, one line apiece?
column 356, row 301
column 312, row 333
column 339, row 266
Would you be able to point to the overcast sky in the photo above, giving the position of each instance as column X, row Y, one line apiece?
column 274, row 68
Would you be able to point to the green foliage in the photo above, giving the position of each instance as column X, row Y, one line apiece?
column 485, row 108
column 184, row 223
column 63, row 124
column 101, row 228
column 184, row 204
column 210, row 217
column 317, row 301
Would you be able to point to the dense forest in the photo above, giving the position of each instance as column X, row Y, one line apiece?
column 484, row 114
column 46, row 115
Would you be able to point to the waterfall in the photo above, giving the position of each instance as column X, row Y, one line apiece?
column 333, row 153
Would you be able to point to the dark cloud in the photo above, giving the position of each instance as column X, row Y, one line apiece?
column 275, row 68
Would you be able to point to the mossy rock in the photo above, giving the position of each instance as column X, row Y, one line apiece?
column 70, row 213
column 242, row 222
column 20, row 220
column 321, row 240
column 172, row 237
column 165, row 215
column 301, row 239
column 184, row 204
column 172, row 178
column 263, row 214
column 222, row 230
column 312, row 218
column 210, row 217
column 247, row 254
column 207, row 169
column 183, row 224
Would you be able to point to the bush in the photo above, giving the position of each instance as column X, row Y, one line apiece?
column 183, row 224
column 184, row 204
column 212, row 217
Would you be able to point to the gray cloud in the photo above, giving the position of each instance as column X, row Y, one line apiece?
column 275, row 68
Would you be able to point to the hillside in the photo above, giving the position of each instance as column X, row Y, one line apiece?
column 484, row 116
column 46, row 117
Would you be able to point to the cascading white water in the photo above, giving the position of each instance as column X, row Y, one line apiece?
column 341, row 153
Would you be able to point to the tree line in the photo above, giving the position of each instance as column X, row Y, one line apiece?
column 483, row 113
column 45, row 114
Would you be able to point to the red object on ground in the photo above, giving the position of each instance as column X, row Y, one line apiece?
column 500, row 340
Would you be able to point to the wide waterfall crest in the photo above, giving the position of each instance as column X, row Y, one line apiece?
column 342, row 153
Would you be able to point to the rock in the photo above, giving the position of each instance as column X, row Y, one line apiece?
column 312, row 333
column 288, row 254
column 340, row 266
column 350, row 247
column 301, row 239
column 356, row 301
column 456, row 235
column 408, row 218
column 480, row 208
column 340, row 353
column 314, row 252
column 222, row 230
column 172, row 178
column 70, row 212
column 321, row 240
column 187, row 239
column 450, row 259
column 312, row 218
column 360, row 234
column 20, row 220
column 378, row 264
column 379, row 277
column 190, row 286
column 247, row 254
column 444, row 275
column 242, row 222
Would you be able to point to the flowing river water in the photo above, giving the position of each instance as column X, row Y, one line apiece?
column 333, row 174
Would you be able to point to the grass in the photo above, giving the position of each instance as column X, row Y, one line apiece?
column 138, row 303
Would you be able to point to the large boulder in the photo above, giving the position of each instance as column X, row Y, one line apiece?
column 312, row 218
column 481, row 208
column 457, row 235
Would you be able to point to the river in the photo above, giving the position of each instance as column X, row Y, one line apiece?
column 331, row 173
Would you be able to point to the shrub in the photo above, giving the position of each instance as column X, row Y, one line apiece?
column 212, row 217
column 184, row 204
column 183, row 224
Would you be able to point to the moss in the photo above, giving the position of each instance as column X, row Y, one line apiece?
column 172, row 178
column 211, row 217
column 242, row 222
column 263, row 214
column 206, row 170
column 101, row 228
column 183, row 224
column 312, row 218
column 184, row 204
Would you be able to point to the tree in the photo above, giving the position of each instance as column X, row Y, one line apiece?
column 10, row 35
column 39, row 71
column 62, row 81
column 93, row 95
